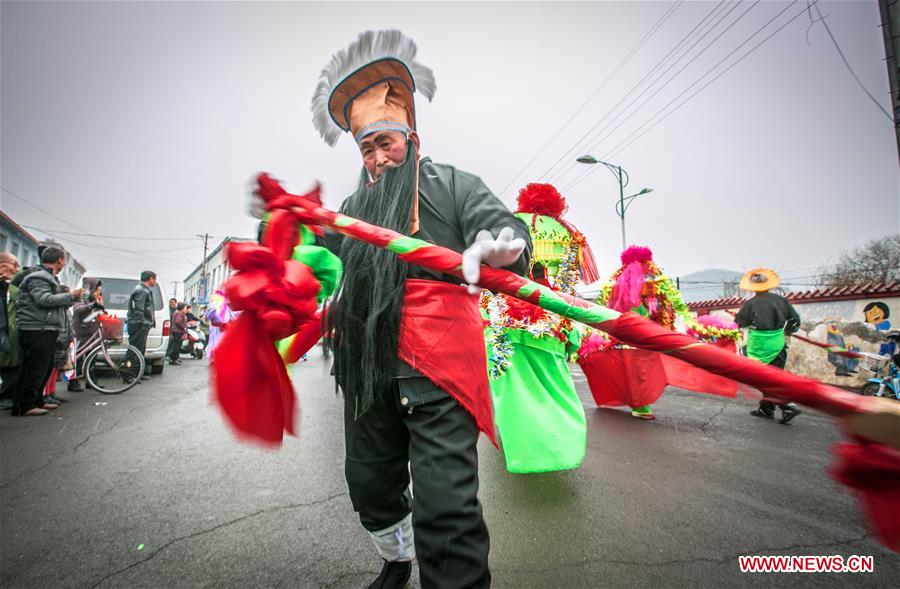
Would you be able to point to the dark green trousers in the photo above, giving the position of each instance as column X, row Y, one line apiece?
column 427, row 433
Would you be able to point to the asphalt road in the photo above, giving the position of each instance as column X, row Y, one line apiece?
column 152, row 490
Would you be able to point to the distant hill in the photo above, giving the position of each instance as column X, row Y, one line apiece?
column 712, row 283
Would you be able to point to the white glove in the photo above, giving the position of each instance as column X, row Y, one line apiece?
column 498, row 253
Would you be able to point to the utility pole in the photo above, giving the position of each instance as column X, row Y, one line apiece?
column 890, row 27
column 203, row 281
column 175, row 289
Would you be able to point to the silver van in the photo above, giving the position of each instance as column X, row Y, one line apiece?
column 116, row 292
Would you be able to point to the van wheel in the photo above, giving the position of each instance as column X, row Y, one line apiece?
column 157, row 368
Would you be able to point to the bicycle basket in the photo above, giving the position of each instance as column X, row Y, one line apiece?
column 873, row 363
column 111, row 327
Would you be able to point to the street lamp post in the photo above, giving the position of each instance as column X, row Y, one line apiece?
column 622, row 177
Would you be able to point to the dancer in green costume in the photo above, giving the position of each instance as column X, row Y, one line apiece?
column 539, row 417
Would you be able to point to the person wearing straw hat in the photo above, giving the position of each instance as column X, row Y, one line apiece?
column 407, row 340
column 768, row 316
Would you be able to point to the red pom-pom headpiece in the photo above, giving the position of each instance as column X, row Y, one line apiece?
column 541, row 199
column 637, row 253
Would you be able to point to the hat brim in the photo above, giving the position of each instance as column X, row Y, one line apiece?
column 772, row 280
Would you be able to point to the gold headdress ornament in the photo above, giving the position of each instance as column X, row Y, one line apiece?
column 760, row 280
column 369, row 87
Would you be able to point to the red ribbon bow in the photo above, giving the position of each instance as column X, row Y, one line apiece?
column 276, row 297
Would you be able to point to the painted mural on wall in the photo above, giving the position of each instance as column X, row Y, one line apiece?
column 877, row 315
column 843, row 366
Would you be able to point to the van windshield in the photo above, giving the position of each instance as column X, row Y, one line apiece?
column 116, row 292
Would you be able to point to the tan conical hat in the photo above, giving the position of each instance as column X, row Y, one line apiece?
column 760, row 280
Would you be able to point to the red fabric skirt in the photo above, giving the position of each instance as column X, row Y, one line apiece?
column 636, row 377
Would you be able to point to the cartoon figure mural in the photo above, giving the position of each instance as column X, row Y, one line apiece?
column 877, row 315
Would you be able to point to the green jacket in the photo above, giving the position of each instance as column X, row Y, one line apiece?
column 13, row 357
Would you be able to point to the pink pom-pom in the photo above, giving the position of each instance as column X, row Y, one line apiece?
column 636, row 253
column 717, row 321
column 594, row 342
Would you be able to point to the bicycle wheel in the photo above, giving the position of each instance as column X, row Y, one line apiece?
column 870, row 389
column 123, row 370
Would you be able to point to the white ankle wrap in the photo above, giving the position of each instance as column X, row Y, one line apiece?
column 395, row 543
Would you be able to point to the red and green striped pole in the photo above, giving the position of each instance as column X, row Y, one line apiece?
column 630, row 328
column 870, row 464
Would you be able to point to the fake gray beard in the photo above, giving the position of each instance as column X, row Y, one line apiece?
column 369, row 298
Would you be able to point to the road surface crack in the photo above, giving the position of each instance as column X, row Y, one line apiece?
column 710, row 420
column 213, row 529
column 68, row 454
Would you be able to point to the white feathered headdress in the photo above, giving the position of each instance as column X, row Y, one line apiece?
column 369, row 86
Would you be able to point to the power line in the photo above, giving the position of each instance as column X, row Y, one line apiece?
column 650, row 73
column 620, row 147
column 110, row 236
column 571, row 164
column 609, row 134
column 100, row 250
column 115, row 246
column 847, row 63
column 631, row 138
column 596, row 91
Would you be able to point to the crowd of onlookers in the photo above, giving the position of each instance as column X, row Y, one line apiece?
column 42, row 323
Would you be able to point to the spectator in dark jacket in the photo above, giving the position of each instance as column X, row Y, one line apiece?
column 141, row 316
column 85, row 324
column 9, row 335
column 179, row 326
column 173, row 303
column 40, row 315
column 60, row 355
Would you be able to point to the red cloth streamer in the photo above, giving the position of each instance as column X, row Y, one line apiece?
column 275, row 297
column 873, row 472
column 637, row 377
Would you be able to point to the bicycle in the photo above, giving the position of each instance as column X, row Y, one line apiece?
column 886, row 371
column 110, row 370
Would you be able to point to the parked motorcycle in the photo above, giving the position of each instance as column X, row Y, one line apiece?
column 194, row 341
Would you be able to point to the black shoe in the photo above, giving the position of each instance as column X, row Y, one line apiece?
column 763, row 412
column 54, row 399
column 145, row 377
column 788, row 412
column 394, row 575
column 75, row 387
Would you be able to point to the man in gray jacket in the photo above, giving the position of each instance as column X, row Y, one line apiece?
column 40, row 316
column 141, row 316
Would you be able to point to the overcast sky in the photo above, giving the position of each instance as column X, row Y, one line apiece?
column 148, row 119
